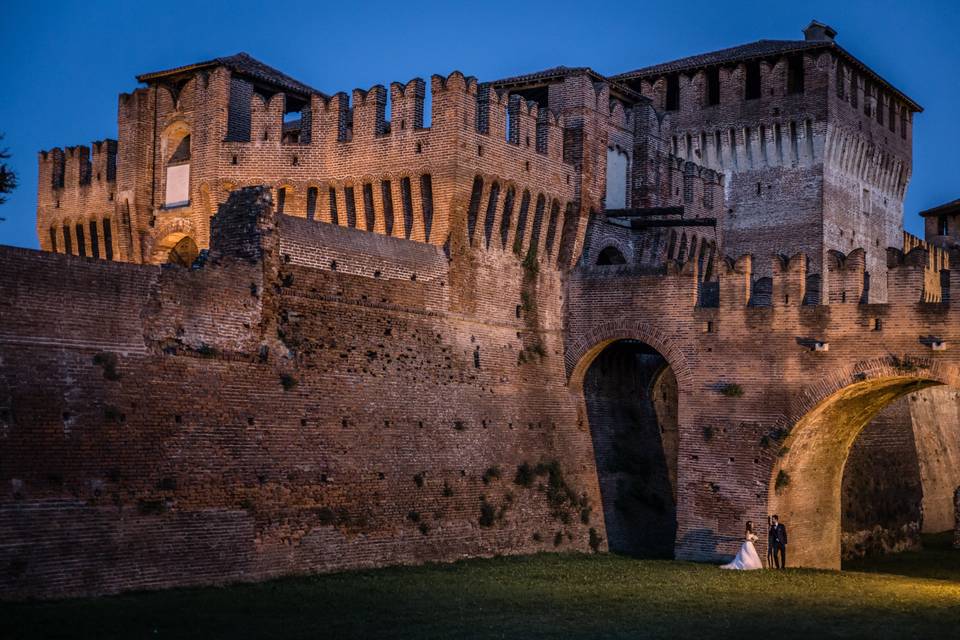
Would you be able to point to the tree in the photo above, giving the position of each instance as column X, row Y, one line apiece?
column 8, row 179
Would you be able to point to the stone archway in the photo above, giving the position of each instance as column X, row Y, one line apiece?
column 630, row 378
column 175, row 248
column 805, row 484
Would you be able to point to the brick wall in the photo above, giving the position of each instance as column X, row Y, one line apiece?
column 270, row 414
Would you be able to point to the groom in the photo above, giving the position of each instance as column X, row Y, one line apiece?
column 777, row 542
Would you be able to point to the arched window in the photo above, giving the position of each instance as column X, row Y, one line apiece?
column 609, row 256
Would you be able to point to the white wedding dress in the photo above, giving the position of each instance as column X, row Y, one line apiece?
column 747, row 559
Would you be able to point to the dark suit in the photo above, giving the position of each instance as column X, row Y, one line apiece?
column 777, row 542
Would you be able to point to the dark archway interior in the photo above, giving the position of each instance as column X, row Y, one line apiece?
column 609, row 256
column 631, row 398
column 882, row 491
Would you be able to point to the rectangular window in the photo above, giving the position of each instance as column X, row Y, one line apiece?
column 879, row 108
column 107, row 239
column 892, row 115
column 841, row 81
column 867, row 95
column 311, row 203
column 81, row 241
column 795, row 74
column 53, row 239
column 67, row 240
column 751, row 83
column 178, row 186
column 942, row 227
column 865, row 205
column 94, row 239
column 854, row 90
column 713, row 86
column 903, row 121
column 281, row 199
column 673, row 93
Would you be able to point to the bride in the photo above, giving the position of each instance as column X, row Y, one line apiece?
column 747, row 558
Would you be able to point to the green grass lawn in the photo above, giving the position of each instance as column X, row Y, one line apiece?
column 545, row 596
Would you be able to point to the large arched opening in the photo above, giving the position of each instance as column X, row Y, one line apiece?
column 631, row 397
column 807, row 486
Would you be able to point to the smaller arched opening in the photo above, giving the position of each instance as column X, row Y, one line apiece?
column 610, row 256
column 176, row 248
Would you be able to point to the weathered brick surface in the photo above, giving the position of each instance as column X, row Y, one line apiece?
column 361, row 381
column 261, row 416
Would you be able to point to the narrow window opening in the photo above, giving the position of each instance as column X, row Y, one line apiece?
column 552, row 225
column 713, row 86
column 794, row 144
column 537, row 223
column 350, row 203
column 407, row 202
column 81, row 241
column 492, row 202
column 334, row 216
column 841, row 82
column 311, row 203
column 473, row 209
column 386, row 191
column 672, row 102
column 426, row 195
column 53, row 239
column 795, row 74
column 521, row 222
column 751, row 85
column 281, row 199
column 369, row 213
column 507, row 215
column 943, row 228
column 94, row 239
column 107, row 239
column 67, row 240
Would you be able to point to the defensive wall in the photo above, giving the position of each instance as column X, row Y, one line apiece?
column 322, row 398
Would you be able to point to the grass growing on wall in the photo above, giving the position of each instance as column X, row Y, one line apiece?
column 543, row 596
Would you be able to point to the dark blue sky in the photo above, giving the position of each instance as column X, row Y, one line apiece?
column 63, row 63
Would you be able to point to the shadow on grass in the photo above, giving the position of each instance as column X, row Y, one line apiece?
column 937, row 560
column 568, row 596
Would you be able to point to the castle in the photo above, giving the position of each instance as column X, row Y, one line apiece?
column 514, row 328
